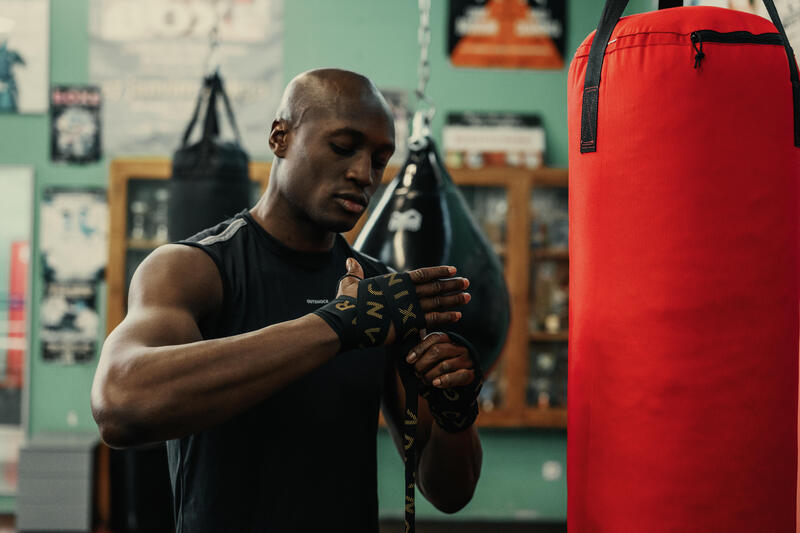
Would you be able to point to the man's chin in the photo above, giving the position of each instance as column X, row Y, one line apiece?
column 342, row 224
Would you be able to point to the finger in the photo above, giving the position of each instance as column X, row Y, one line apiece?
column 353, row 267
column 442, row 286
column 444, row 302
column 459, row 378
column 355, row 273
column 429, row 357
column 448, row 366
column 423, row 275
column 439, row 318
column 438, row 354
column 427, row 342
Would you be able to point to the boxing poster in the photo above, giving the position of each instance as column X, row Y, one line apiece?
column 149, row 58
column 75, row 124
column 524, row 34
column 24, row 55
column 73, row 239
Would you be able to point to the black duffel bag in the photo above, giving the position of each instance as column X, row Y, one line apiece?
column 210, row 178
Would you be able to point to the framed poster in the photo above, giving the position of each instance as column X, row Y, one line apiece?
column 149, row 57
column 75, row 124
column 24, row 55
column 525, row 34
column 74, row 246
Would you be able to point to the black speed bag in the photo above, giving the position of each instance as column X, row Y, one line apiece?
column 422, row 220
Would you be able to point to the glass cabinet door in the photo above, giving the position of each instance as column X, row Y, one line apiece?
column 489, row 206
column 548, row 316
column 146, row 223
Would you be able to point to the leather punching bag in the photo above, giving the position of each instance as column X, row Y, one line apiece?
column 210, row 178
column 684, row 127
column 422, row 220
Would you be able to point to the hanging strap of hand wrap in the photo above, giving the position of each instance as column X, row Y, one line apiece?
column 364, row 321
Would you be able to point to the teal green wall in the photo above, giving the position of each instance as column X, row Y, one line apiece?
column 377, row 38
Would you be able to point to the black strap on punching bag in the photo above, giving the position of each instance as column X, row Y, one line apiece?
column 210, row 178
column 594, row 66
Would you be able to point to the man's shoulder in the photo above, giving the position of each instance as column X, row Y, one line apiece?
column 221, row 233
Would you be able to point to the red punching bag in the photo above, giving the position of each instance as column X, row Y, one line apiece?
column 683, row 363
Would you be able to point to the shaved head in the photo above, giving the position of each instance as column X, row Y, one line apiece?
column 332, row 138
column 326, row 91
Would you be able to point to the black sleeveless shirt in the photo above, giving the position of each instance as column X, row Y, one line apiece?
column 305, row 458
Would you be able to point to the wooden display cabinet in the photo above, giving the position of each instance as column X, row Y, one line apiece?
column 501, row 198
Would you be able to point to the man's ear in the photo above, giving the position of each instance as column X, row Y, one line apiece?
column 279, row 137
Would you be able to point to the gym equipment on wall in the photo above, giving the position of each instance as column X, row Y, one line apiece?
column 683, row 349
column 210, row 178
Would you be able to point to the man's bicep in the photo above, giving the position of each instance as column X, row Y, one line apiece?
column 171, row 291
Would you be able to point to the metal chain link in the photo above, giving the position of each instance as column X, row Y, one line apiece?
column 211, row 63
column 424, row 38
column 420, row 125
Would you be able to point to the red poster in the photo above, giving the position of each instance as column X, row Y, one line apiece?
column 507, row 33
column 18, row 287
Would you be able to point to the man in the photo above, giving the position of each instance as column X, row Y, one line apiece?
column 270, row 420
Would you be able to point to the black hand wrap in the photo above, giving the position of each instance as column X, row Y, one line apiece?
column 456, row 408
column 365, row 321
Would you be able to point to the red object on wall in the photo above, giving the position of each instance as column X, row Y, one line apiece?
column 17, row 325
column 684, row 265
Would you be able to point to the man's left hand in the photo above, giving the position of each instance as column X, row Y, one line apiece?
column 439, row 362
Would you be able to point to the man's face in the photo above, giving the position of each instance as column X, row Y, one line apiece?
column 335, row 160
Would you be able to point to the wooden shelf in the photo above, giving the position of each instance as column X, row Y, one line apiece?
column 542, row 336
column 550, row 177
column 546, row 418
column 558, row 254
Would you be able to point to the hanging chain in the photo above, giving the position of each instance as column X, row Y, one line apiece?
column 212, row 62
column 420, row 125
column 424, row 38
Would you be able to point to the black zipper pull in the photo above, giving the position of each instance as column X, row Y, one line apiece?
column 697, row 43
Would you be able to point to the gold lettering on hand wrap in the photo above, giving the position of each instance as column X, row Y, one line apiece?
column 410, row 332
column 375, row 307
column 450, row 394
column 393, row 279
column 407, row 313
column 370, row 332
column 409, row 505
column 373, row 291
column 344, row 306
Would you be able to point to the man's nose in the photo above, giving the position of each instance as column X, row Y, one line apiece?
column 360, row 169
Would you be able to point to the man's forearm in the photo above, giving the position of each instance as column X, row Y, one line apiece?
column 144, row 394
column 449, row 467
